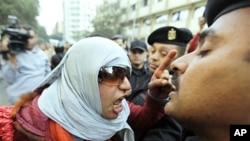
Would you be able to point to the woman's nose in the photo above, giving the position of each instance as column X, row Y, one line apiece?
column 125, row 85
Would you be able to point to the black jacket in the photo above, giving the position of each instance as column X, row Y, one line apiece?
column 139, row 80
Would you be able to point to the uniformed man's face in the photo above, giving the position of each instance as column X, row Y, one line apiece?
column 157, row 52
column 214, row 82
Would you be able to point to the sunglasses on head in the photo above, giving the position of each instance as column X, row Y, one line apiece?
column 113, row 75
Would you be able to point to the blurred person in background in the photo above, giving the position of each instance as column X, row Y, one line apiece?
column 47, row 48
column 119, row 39
column 25, row 69
column 140, row 76
column 60, row 51
column 67, row 45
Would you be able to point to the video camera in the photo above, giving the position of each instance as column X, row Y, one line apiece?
column 17, row 38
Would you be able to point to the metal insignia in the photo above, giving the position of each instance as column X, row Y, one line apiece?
column 171, row 34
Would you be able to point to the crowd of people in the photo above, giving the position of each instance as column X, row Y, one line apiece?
column 175, row 86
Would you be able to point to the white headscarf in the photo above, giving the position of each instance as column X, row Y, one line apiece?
column 73, row 98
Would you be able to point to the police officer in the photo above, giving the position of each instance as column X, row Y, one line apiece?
column 140, row 76
column 162, row 40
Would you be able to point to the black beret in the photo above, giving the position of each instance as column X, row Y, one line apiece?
column 216, row 8
column 170, row 35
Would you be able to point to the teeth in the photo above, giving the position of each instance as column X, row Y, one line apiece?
column 118, row 102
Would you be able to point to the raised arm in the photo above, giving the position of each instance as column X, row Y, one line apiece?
column 153, row 109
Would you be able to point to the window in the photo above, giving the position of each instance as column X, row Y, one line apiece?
column 145, row 3
column 136, row 25
column 123, row 10
column 184, row 14
column 157, row 1
column 133, row 7
column 198, row 11
column 161, row 18
column 180, row 15
column 176, row 16
column 147, row 22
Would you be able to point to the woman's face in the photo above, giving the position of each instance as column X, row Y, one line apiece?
column 112, row 92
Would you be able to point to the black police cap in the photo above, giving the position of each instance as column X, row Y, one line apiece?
column 138, row 44
column 216, row 8
column 170, row 35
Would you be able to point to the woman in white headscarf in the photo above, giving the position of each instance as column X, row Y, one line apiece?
column 83, row 99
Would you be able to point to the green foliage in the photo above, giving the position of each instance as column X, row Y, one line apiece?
column 107, row 20
column 43, row 37
column 26, row 11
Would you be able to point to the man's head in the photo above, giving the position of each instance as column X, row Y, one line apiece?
column 213, row 81
column 138, row 53
column 32, row 40
column 119, row 40
column 164, row 39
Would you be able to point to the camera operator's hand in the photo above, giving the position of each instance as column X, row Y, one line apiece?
column 160, row 85
column 4, row 44
column 4, row 48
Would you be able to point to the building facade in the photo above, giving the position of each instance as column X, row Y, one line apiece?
column 141, row 17
column 77, row 15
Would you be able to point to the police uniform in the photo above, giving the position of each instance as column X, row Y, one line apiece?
column 166, row 129
column 171, row 35
column 139, row 78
